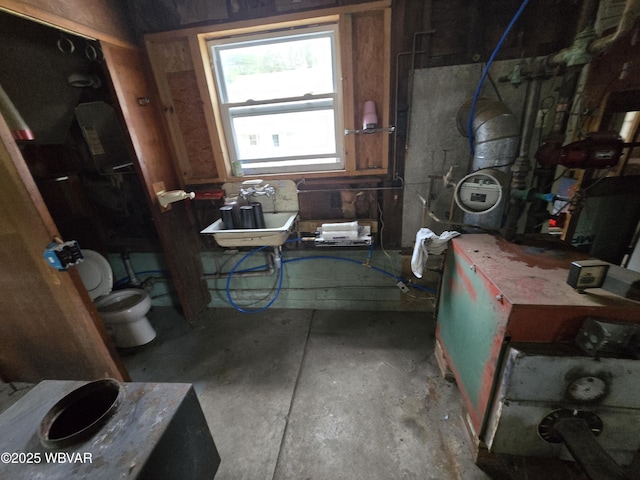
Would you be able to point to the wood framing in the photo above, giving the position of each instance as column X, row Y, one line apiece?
column 178, row 235
column 49, row 327
column 104, row 20
column 188, row 97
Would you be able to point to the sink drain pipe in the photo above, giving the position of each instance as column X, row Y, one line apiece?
column 261, row 271
column 131, row 273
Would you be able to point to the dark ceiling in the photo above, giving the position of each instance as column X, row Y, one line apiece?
column 462, row 31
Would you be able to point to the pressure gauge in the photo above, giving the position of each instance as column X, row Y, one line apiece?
column 479, row 192
column 586, row 389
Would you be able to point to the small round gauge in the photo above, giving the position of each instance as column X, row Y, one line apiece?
column 586, row 389
column 479, row 192
column 548, row 432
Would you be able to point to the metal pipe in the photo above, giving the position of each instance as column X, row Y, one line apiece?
column 131, row 273
column 629, row 16
column 428, row 30
column 588, row 15
column 531, row 112
column 585, row 45
column 394, row 159
column 522, row 165
column 587, row 452
column 268, row 271
column 365, row 189
column 411, row 78
column 350, row 189
column 577, row 53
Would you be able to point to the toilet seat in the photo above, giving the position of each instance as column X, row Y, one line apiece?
column 122, row 311
column 96, row 274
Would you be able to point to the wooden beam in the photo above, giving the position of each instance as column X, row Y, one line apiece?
column 348, row 114
column 49, row 328
column 178, row 234
column 104, row 20
column 247, row 26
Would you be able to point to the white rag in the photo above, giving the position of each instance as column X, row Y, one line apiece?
column 428, row 242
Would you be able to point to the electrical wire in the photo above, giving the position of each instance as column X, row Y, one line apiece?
column 357, row 262
column 579, row 195
column 380, row 233
column 243, row 309
column 486, row 72
column 235, row 270
column 124, row 280
column 557, row 177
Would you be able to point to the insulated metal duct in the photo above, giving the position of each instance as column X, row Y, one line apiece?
column 496, row 136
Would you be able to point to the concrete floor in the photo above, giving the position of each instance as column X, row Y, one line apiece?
column 324, row 395
column 320, row 395
column 309, row 394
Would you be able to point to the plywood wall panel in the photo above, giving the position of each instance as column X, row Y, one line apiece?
column 178, row 233
column 190, row 116
column 365, row 50
column 49, row 328
column 176, row 56
column 369, row 74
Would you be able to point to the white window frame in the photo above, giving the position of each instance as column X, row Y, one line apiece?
column 308, row 102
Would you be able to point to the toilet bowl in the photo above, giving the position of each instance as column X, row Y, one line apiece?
column 124, row 312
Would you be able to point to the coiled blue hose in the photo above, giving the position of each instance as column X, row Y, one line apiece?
column 281, row 276
column 230, row 276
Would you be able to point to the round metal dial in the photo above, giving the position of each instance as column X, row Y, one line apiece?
column 586, row 389
column 546, row 425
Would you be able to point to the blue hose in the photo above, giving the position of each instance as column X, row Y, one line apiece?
column 486, row 71
column 281, row 276
column 357, row 262
column 230, row 276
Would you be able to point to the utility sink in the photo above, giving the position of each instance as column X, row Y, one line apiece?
column 275, row 233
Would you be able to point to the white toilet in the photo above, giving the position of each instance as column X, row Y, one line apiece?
column 122, row 311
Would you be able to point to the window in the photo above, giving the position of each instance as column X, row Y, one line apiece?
column 279, row 100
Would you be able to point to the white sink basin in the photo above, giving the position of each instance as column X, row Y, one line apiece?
column 275, row 233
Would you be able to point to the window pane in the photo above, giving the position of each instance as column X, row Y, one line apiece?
column 276, row 68
column 298, row 134
column 306, row 165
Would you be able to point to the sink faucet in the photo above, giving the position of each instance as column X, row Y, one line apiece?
column 256, row 190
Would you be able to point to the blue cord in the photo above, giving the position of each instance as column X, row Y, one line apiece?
column 298, row 259
column 486, row 71
column 124, row 280
column 281, row 274
column 230, row 276
column 357, row 262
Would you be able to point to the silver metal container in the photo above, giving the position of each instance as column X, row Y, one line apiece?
column 106, row 430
